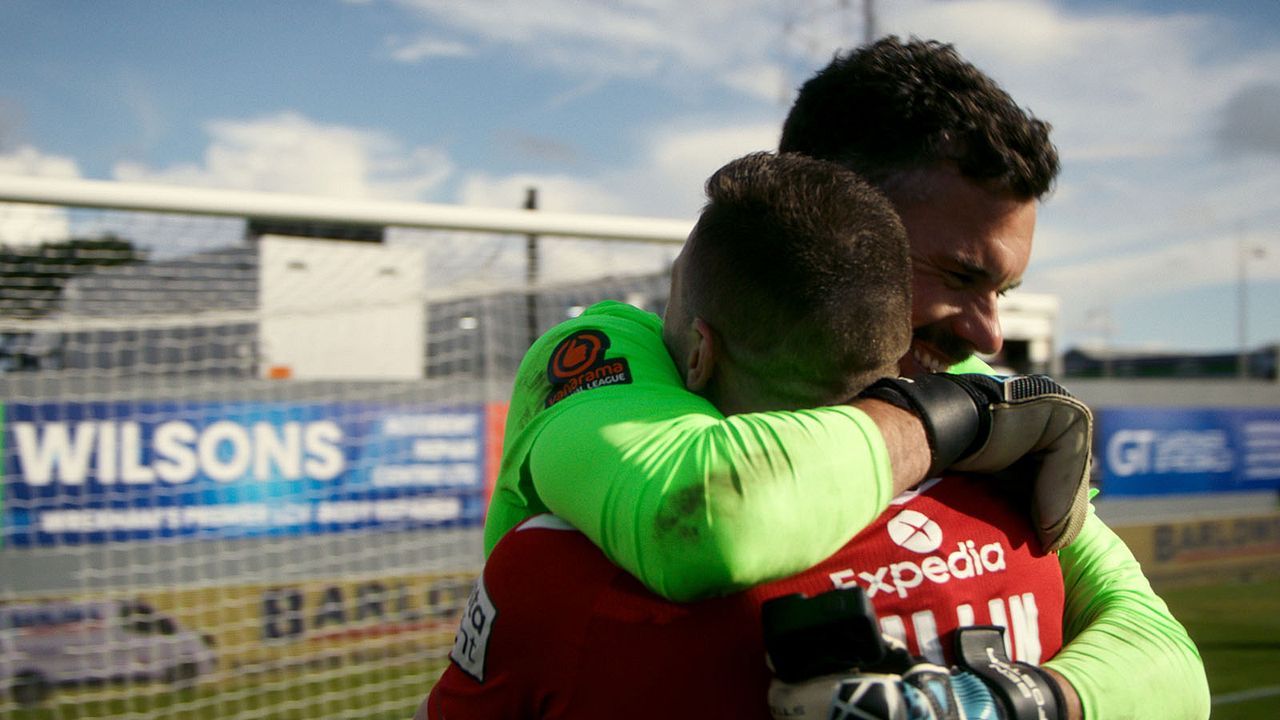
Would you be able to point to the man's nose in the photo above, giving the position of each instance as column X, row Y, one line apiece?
column 980, row 325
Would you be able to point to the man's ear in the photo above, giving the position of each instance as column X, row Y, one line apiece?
column 704, row 352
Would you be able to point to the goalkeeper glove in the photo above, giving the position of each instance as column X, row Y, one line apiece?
column 986, row 685
column 924, row 692
column 982, row 424
column 830, row 660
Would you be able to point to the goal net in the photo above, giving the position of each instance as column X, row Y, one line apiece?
column 246, row 456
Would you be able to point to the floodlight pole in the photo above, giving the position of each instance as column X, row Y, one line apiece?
column 1244, row 251
column 531, row 271
column 1242, row 309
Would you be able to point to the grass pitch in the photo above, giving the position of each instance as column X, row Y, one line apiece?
column 388, row 693
column 1237, row 628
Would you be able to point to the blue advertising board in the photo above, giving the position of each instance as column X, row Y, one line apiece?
column 1160, row 450
column 101, row 471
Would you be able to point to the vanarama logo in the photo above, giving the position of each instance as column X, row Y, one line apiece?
column 576, row 353
column 579, row 363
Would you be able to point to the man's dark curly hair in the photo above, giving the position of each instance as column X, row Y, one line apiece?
column 892, row 107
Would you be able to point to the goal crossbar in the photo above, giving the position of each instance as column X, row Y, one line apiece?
column 286, row 206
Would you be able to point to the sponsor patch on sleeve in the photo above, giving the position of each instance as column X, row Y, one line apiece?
column 578, row 363
column 472, row 641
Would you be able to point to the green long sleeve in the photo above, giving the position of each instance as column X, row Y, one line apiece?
column 1124, row 653
column 695, row 504
column 691, row 503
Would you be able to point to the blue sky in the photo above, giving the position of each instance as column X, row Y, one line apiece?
column 1167, row 115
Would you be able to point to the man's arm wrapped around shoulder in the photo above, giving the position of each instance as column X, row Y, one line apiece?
column 602, row 432
column 1124, row 653
column 690, row 502
column 1027, row 425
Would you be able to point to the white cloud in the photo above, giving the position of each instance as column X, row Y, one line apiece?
column 666, row 182
column 1115, row 208
column 1146, row 204
column 1090, row 290
column 27, row 160
column 667, row 41
column 1116, row 84
column 418, row 49
column 1136, row 99
column 1202, row 262
column 765, row 81
column 291, row 153
column 680, row 160
column 24, row 224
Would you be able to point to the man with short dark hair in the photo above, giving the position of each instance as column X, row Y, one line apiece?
column 798, row 270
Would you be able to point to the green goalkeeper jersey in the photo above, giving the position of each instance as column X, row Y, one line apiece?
column 602, row 432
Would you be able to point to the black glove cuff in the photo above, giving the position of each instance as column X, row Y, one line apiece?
column 836, row 631
column 1025, row 691
column 952, row 421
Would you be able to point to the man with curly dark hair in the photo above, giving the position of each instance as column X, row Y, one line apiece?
column 601, row 432
column 963, row 165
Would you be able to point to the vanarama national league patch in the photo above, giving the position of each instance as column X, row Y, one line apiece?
column 578, row 363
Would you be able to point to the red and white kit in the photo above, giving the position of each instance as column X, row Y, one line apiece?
column 951, row 554
column 555, row 630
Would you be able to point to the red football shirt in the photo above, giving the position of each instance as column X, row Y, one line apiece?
column 555, row 630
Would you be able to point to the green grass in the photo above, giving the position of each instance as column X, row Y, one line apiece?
column 1237, row 628
column 380, row 694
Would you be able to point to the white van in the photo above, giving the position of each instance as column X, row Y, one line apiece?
column 46, row 645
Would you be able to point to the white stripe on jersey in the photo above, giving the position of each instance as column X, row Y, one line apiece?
column 546, row 521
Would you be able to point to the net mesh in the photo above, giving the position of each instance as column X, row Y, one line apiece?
column 244, row 470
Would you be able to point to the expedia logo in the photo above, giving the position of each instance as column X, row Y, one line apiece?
column 916, row 532
column 579, row 363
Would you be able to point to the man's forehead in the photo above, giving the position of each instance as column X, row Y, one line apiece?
column 984, row 236
column 1001, row 266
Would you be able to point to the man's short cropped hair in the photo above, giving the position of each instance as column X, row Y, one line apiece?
column 893, row 107
column 802, row 268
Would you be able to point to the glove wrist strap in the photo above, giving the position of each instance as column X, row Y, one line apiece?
column 1025, row 691
column 950, row 416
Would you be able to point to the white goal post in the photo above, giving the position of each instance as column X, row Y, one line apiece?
column 247, row 437
column 283, row 206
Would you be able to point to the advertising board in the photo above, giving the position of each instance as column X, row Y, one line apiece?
column 113, row 471
column 1161, row 450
